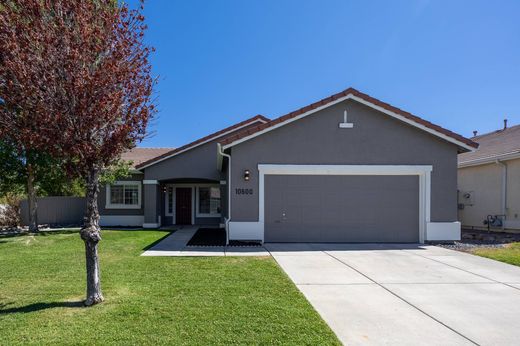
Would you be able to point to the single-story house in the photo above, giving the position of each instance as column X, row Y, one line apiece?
column 489, row 181
column 348, row 168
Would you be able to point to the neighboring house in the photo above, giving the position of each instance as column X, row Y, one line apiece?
column 348, row 168
column 489, row 181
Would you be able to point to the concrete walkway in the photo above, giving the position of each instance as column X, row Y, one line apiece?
column 175, row 246
column 373, row 294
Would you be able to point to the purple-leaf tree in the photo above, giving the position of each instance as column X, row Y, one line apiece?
column 82, row 71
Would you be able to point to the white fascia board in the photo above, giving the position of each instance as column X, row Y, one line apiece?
column 344, row 169
column 362, row 101
column 490, row 159
column 204, row 142
column 150, row 182
column 288, row 121
column 413, row 123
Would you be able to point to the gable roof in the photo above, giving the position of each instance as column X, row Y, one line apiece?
column 140, row 155
column 500, row 144
column 170, row 153
column 464, row 143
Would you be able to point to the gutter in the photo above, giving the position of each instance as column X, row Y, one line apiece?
column 228, row 219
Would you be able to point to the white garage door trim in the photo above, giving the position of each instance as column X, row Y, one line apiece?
column 423, row 171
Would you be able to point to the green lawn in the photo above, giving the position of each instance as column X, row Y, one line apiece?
column 149, row 300
column 509, row 254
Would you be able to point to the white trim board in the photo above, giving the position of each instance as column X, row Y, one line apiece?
column 121, row 220
column 362, row 101
column 423, row 171
column 204, row 142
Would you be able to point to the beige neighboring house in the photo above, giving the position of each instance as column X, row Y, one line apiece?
column 489, row 181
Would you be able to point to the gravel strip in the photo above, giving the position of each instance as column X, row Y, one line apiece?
column 469, row 246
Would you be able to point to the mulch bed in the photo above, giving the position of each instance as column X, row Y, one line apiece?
column 215, row 237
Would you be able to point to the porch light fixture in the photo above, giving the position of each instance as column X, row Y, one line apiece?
column 247, row 175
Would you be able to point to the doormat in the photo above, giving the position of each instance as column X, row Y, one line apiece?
column 216, row 237
column 208, row 237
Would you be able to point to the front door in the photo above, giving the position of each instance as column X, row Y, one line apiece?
column 183, row 206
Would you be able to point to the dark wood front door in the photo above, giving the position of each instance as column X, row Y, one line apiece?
column 183, row 206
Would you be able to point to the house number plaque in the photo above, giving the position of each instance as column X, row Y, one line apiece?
column 244, row 191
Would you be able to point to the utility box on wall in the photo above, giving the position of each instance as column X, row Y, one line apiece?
column 467, row 197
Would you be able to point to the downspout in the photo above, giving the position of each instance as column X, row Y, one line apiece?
column 504, row 191
column 228, row 219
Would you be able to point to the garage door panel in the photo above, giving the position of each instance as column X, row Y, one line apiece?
column 341, row 208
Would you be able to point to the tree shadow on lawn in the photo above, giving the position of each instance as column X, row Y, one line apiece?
column 40, row 306
column 9, row 234
column 149, row 246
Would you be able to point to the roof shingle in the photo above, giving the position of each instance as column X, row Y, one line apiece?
column 494, row 144
column 140, row 155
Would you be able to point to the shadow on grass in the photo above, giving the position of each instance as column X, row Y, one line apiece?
column 40, row 306
column 40, row 233
column 158, row 240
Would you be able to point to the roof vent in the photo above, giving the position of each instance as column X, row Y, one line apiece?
column 345, row 124
column 505, row 124
column 475, row 133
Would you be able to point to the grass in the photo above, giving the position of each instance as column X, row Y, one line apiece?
column 149, row 300
column 508, row 254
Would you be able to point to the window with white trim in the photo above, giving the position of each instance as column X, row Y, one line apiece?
column 124, row 195
column 170, row 201
column 208, row 201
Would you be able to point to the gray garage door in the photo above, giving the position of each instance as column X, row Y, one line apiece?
column 302, row 208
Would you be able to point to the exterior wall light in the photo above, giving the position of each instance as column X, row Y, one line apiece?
column 247, row 175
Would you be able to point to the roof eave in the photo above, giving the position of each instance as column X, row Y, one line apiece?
column 490, row 159
column 351, row 95
column 255, row 119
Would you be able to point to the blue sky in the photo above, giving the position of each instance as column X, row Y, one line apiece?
column 455, row 63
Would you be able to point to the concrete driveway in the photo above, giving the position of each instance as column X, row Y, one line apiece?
column 402, row 294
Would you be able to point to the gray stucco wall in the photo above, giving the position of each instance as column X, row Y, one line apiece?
column 376, row 139
column 102, row 199
column 151, row 197
column 198, row 163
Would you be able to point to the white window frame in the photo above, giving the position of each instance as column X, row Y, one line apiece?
column 198, row 213
column 166, row 201
column 109, row 205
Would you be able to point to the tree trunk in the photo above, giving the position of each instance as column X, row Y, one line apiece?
column 91, row 235
column 31, row 200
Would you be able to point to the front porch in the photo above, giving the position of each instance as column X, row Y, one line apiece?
column 184, row 202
